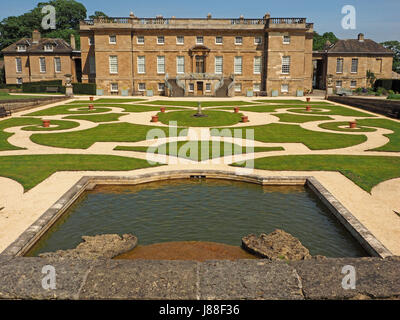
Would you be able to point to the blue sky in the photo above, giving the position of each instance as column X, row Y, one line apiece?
column 378, row 20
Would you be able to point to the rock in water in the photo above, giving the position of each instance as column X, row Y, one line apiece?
column 278, row 245
column 106, row 246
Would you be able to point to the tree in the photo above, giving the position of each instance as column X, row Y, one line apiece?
column 371, row 78
column 68, row 15
column 320, row 40
column 98, row 14
column 395, row 47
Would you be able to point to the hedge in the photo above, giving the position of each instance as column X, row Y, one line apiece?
column 40, row 87
column 388, row 84
column 84, row 88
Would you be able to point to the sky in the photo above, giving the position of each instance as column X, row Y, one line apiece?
column 378, row 20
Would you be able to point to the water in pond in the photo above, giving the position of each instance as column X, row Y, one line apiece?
column 208, row 210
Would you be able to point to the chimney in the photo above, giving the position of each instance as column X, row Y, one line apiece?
column 209, row 16
column 267, row 16
column 361, row 37
column 73, row 43
column 35, row 36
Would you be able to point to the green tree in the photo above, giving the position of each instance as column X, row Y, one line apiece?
column 371, row 78
column 395, row 47
column 68, row 15
column 320, row 40
column 98, row 14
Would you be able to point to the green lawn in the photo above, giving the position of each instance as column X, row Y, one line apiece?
column 13, row 122
column 193, row 149
column 333, row 110
column 294, row 101
column 294, row 118
column 257, row 108
column 114, row 132
column 107, row 117
column 61, row 125
column 195, row 103
column 394, row 144
column 144, row 108
column 335, row 126
column 214, row 118
column 365, row 171
column 107, row 100
column 291, row 133
column 33, row 169
column 65, row 109
column 6, row 96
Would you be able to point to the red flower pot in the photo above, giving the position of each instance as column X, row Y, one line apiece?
column 236, row 109
column 353, row 124
column 308, row 99
column 91, row 98
column 91, row 107
column 162, row 109
column 308, row 108
column 245, row 119
column 46, row 123
column 154, row 118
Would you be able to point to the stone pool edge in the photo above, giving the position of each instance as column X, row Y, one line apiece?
column 32, row 234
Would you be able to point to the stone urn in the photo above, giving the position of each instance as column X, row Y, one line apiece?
column 69, row 92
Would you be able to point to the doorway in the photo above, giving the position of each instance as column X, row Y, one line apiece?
column 200, row 88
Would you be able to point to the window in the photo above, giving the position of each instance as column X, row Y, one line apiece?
column 191, row 87
column 18, row 62
column 238, row 87
column 379, row 65
column 238, row 65
column 161, row 87
column 354, row 65
column 113, row 61
column 91, row 41
column 57, row 64
column 140, row 39
column 286, row 39
column 113, row 39
column 353, row 84
column 180, row 64
column 48, row 47
column 257, row 40
column 180, row 40
column 219, row 65
column 284, row 88
column 141, row 64
column 256, row 87
column 339, row 65
column 160, row 64
column 338, row 84
column 219, row 40
column 114, row 87
column 200, row 40
column 92, row 65
column 200, row 64
column 21, row 48
column 286, row 65
column 160, row 40
column 238, row 40
column 19, row 80
column 142, row 86
column 42, row 64
column 208, row 87
column 257, row 65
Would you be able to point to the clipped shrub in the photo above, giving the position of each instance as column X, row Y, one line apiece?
column 84, row 88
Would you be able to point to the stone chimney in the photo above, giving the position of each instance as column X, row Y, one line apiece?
column 209, row 16
column 361, row 37
column 35, row 36
column 267, row 16
column 73, row 43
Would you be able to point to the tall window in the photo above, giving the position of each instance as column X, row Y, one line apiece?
column 113, row 39
column 339, row 65
column 286, row 65
column 140, row 39
column 18, row 62
column 57, row 64
column 180, row 40
column 200, row 64
column 92, row 65
column 161, row 64
column 354, row 65
column 219, row 65
column 180, row 64
column 257, row 65
column 141, row 64
column 238, row 65
column 113, row 64
column 42, row 63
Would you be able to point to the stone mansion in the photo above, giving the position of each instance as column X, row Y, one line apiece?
column 203, row 57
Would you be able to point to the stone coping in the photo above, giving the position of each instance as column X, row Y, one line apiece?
column 375, row 278
column 27, row 239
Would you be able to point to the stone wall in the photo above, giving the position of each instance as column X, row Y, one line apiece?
column 16, row 105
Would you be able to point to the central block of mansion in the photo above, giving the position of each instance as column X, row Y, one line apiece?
column 197, row 57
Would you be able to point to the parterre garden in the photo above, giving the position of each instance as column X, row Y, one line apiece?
column 288, row 137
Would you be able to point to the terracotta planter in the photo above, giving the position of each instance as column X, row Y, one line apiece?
column 154, row 118
column 308, row 108
column 353, row 124
column 46, row 123
column 245, row 119
column 162, row 109
column 308, row 99
column 91, row 107
column 91, row 98
column 236, row 109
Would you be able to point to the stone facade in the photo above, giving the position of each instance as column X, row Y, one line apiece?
column 22, row 60
column 196, row 57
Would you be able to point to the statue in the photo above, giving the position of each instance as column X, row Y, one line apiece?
column 69, row 92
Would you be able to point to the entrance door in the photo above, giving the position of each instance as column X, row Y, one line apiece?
column 200, row 87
